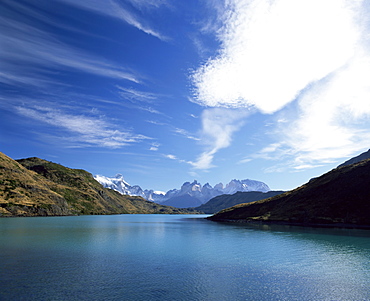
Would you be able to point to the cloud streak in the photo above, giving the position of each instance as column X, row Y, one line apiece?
column 149, row 4
column 114, row 9
column 83, row 130
column 136, row 95
column 186, row 134
column 28, row 54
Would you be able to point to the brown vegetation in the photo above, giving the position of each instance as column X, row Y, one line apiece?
column 36, row 187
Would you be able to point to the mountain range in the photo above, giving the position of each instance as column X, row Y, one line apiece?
column 191, row 194
column 36, row 187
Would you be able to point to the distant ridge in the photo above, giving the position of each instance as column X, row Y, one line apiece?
column 340, row 197
column 225, row 201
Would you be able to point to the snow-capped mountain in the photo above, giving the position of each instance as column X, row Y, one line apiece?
column 190, row 194
column 119, row 184
column 193, row 193
column 245, row 185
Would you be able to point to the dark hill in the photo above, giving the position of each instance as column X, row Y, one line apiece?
column 359, row 158
column 225, row 201
column 32, row 187
column 339, row 197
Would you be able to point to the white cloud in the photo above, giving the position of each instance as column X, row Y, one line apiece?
column 271, row 50
column 88, row 131
column 218, row 126
column 172, row 157
column 334, row 117
column 313, row 52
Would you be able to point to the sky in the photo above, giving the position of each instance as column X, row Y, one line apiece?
column 165, row 91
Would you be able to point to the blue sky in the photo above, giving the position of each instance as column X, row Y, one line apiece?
column 166, row 91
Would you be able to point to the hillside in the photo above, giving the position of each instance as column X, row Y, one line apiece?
column 33, row 187
column 359, row 158
column 225, row 201
column 341, row 196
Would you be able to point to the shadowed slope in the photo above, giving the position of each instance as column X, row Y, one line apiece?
column 341, row 196
column 225, row 201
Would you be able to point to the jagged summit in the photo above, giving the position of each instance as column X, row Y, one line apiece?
column 189, row 195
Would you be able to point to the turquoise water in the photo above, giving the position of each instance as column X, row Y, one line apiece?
column 178, row 257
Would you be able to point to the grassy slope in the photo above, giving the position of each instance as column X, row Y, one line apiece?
column 341, row 196
column 32, row 187
column 225, row 201
column 25, row 193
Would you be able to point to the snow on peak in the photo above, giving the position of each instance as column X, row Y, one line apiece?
column 245, row 185
column 159, row 192
column 194, row 189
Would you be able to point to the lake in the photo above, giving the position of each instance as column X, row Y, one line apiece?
column 178, row 257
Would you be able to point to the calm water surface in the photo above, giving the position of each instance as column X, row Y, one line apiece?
column 178, row 257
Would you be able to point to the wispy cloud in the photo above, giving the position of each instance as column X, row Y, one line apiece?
column 275, row 52
column 149, row 4
column 140, row 99
column 82, row 130
column 200, row 46
column 137, row 95
column 218, row 126
column 155, row 122
column 186, row 134
column 214, row 19
column 31, row 11
column 28, row 54
column 155, row 146
column 112, row 8
column 170, row 156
